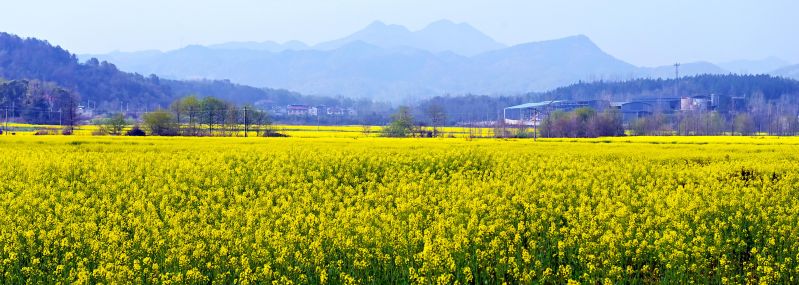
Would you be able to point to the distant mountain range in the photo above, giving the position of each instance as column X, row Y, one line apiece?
column 37, row 63
column 102, row 85
column 392, row 63
column 440, row 36
column 361, row 69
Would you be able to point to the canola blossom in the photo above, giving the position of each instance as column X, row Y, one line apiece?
column 81, row 210
column 297, row 131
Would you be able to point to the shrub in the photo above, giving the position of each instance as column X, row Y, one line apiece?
column 135, row 132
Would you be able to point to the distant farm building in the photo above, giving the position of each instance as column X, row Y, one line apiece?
column 298, row 110
column 532, row 113
column 639, row 108
column 302, row 110
column 696, row 103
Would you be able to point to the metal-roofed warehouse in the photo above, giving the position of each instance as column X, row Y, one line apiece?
column 530, row 113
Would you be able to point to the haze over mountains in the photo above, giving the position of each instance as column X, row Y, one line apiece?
column 439, row 36
column 390, row 62
column 102, row 85
column 766, row 65
column 791, row 71
column 34, row 64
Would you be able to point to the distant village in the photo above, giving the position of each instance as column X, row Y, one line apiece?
column 306, row 110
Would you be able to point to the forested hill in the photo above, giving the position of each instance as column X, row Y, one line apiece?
column 481, row 107
column 103, row 85
column 732, row 85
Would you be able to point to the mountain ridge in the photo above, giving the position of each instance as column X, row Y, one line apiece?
column 103, row 84
column 383, row 61
column 438, row 36
column 361, row 69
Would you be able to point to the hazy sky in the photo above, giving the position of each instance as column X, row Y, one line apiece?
column 651, row 32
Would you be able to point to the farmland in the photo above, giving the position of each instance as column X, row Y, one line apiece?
column 299, row 131
column 333, row 210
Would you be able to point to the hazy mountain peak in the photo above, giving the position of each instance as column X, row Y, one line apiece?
column 576, row 42
column 195, row 48
column 576, row 57
column 444, row 23
column 380, row 27
column 376, row 23
column 578, row 39
column 439, row 36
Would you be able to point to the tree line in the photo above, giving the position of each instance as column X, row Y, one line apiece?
column 194, row 116
column 38, row 102
column 760, row 116
column 475, row 107
column 582, row 122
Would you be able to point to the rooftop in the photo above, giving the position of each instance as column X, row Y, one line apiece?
column 533, row 105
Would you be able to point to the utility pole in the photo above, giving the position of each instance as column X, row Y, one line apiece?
column 676, row 77
column 245, row 121
column 676, row 85
column 5, row 130
column 535, row 124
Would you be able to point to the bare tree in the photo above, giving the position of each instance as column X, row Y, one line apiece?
column 744, row 124
column 759, row 111
column 191, row 107
column 437, row 117
column 115, row 124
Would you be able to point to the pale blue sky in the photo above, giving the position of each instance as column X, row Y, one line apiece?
column 653, row 32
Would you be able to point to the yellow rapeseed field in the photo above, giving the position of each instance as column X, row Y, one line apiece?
column 299, row 131
column 680, row 210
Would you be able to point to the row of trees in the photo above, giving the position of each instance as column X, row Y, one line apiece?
column 714, row 124
column 403, row 123
column 583, row 122
column 37, row 102
column 193, row 116
column 760, row 115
